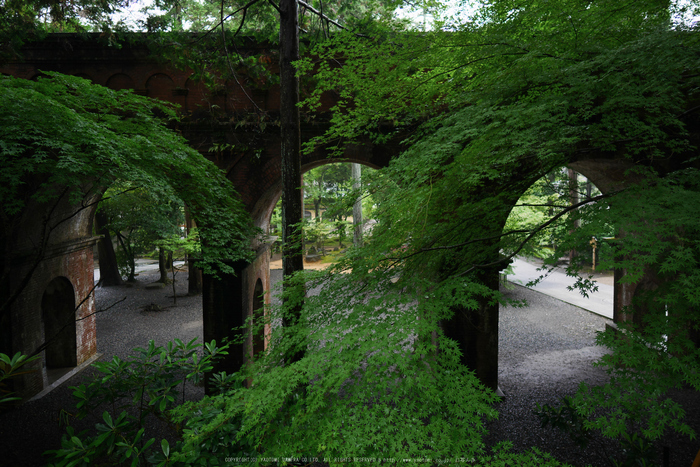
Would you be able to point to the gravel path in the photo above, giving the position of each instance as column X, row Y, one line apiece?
column 546, row 350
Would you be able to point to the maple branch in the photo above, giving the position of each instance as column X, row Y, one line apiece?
column 529, row 237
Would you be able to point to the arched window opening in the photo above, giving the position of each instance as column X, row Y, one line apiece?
column 58, row 314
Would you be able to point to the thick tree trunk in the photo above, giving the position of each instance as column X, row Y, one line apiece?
column 109, row 271
column 357, row 207
column 292, row 209
column 291, row 139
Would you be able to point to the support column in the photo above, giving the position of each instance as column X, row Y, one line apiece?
column 222, row 310
column 227, row 301
column 476, row 334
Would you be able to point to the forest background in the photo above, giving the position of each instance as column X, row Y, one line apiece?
column 491, row 103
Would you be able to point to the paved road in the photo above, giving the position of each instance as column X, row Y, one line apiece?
column 555, row 285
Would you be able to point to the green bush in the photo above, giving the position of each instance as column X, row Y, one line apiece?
column 150, row 382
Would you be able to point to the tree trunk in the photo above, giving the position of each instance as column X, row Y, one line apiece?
column 573, row 199
column 109, row 271
column 126, row 247
column 357, row 207
column 162, row 267
column 317, row 208
column 291, row 139
column 292, row 209
column 194, row 277
column 172, row 268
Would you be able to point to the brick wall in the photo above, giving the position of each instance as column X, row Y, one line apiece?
column 73, row 261
column 252, row 165
column 259, row 269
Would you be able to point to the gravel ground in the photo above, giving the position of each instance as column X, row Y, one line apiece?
column 546, row 350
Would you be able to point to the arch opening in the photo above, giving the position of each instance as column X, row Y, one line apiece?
column 560, row 243
column 328, row 212
column 58, row 316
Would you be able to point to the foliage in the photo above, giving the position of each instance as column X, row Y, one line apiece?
column 137, row 218
column 545, row 198
column 181, row 247
column 64, row 138
column 316, row 232
column 490, row 107
column 487, row 107
column 495, row 104
column 10, row 367
column 148, row 383
column 355, row 385
column 22, row 21
column 327, row 185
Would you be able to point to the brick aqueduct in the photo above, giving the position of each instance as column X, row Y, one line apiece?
column 65, row 276
column 252, row 164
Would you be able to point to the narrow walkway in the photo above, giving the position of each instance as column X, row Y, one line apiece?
column 555, row 285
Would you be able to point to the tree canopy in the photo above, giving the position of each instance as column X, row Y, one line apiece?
column 63, row 138
column 499, row 101
column 492, row 104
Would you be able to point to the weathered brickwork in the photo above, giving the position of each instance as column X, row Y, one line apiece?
column 74, row 262
column 259, row 269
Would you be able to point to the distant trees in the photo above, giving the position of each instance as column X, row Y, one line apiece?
column 326, row 186
column 137, row 218
column 541, row 201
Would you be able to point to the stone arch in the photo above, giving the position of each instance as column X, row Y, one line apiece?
column 58, row 316
column 119, row 81
column 611, row 175
column 608, row 175
column 580, row 196
column 262, row 211
column 237, row 293
column 160, row 86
